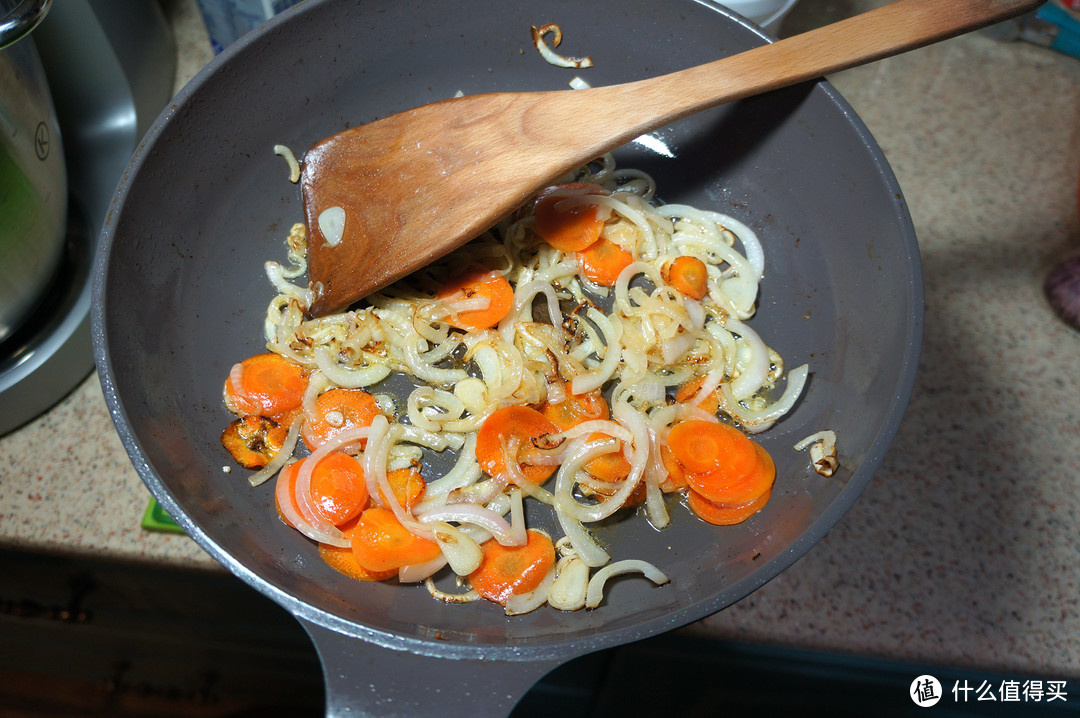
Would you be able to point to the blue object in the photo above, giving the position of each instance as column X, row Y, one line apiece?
column 227, row 20
column 1064, row 30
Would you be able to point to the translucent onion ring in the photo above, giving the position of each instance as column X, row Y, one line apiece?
column 595, row 593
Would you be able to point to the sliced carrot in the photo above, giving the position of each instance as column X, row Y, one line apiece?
column 689, row 276
column 572, row 229
column 708, row 446
column 381, row 543
column 676, row 476
column 338, row 489
column 526, row 423
column 479, row 284
column 266, row 385
column 253, row 440
column 610, row 470
column 727, row 487
column 507, row 571
column 722, row 514
column 603, row 261
column 343, row 560
column 575, row 408
column 608, row 467
column 709, row 403
column 408, row 486
column 337, row 410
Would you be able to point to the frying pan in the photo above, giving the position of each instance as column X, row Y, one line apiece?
column 180, row 294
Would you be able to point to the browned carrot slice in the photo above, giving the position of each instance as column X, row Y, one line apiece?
column 381, row 543
column 338, row 410
column 709, row 403
column 338, row 488
column 508, row 571
column 266, row 385
column 575, row 408
column 689, row 276
column 603, row 261
column 572, row 229
column 479, row 283
column 343, row 560
column 253, row 440
column 725, row 514
column 608, row 467
column 525, row 423
column 408, row 486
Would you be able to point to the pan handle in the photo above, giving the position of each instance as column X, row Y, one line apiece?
column 363, row 679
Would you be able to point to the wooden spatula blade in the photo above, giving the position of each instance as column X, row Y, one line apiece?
column 393, row 178
column 353, row 172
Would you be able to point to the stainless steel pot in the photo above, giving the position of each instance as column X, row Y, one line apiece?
column 33, row 179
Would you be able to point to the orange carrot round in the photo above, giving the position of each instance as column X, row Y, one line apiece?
column 524, row 422
column 603, row 261
column 707, row 446
column 266, row 385
column 575, row 409
column 608, row 467
column 676, row 474
column 343, row 560
column 338, row 410
column 381, row 543
column 689, row 276
column 408, row 486
column 253, row 440
column 709, row 403
column 728, row 487
column 722, row 514
column 338, row 489
column 507, row 571
column 479, row 283
column 572, row 229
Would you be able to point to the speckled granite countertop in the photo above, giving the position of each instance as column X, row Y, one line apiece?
column 965, row 549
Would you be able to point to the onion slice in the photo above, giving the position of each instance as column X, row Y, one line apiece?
column 461, row 552
column 414, row 573
column 302, row 490
column 595, row 593
column 290, row 159
column 534, row 599
column 503, row 531
column 571, row 585
column 288, row 509
column 281, row 457
column 332, row 225
column 550, row 55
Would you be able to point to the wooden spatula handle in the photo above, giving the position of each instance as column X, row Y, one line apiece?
column 889, row 30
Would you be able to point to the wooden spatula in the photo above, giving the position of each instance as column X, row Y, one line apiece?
column 411, row 187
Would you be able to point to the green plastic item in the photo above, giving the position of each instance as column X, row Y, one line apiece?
column 155, row 519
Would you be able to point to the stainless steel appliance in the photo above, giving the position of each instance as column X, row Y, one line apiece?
column 108, row 67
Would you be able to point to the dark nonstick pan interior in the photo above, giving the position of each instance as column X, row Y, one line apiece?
column 180, row 296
